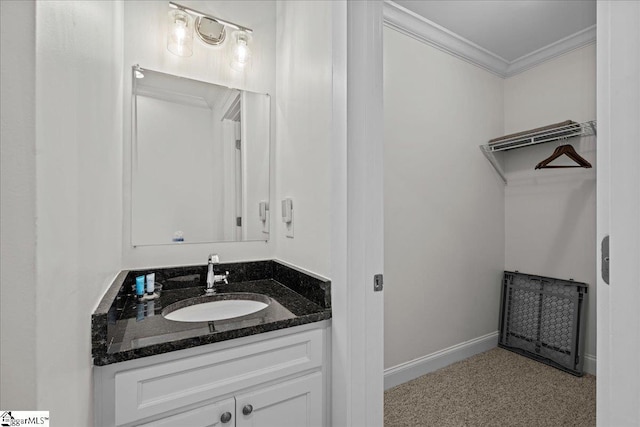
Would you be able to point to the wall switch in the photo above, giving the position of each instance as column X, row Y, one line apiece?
column 287, row 216
column 289, row 227
column 287, row 210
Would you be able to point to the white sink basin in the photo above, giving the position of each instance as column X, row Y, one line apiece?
column 219, row 307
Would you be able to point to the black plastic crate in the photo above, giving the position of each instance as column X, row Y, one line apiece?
column 543, row 318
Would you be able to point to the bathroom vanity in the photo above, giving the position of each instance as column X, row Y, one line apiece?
column 269, row 367
column 253, row 351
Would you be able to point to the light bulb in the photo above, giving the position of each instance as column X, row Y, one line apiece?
column 180, row 36
column 241, row 52
column 180, row 30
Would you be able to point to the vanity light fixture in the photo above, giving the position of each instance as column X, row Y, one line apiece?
column 210, row 30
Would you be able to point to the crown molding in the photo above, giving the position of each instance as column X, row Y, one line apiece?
column 553, row 50
column 426, row 31
column 421, row 29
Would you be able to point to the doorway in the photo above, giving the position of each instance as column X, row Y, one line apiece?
column 452, row 226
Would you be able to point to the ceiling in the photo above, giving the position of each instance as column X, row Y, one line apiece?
column 509, row 29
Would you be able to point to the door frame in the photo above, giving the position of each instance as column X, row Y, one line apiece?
column 357, row 235
column 357, row 214
column 618, row 205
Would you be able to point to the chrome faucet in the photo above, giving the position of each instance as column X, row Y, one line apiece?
column 213, row 278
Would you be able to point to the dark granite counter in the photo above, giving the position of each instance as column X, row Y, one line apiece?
column 124, row 328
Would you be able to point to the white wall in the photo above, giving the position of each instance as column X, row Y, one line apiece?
column 18, row 206
column 303, row 117
column 79, row 192
column 551, row 214
column 145, row 44
column 444, row 204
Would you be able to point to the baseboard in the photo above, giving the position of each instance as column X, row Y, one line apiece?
column 413, row 369
column 589, row 365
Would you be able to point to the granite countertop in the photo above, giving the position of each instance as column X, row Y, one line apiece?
column 124, row 328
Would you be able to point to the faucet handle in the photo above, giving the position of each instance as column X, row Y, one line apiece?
column 214, row 259
column 221, row 278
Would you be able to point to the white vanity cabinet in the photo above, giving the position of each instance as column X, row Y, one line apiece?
column 271, row 379
column 294, row 403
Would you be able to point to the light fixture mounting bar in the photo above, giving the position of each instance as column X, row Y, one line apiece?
column 213, row 18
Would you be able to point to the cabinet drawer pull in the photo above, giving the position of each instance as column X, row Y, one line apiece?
column 247, row 409
column 226, row 417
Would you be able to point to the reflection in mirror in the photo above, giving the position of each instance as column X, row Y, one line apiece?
column 200, row 161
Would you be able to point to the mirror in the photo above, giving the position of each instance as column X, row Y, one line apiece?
column 200, row 161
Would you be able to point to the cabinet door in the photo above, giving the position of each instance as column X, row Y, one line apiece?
column 205, row 416
column 294, row 403
column 145, row 392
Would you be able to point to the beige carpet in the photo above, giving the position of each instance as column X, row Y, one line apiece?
column 496, row 388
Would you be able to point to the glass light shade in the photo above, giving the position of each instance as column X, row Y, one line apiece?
column 241, row 53
column 180, row 35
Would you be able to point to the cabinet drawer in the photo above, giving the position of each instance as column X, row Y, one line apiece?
column 152, row 390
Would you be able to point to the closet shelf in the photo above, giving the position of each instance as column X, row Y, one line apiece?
column 535, row 137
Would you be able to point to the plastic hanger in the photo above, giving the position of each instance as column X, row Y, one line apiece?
column 568, row 151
